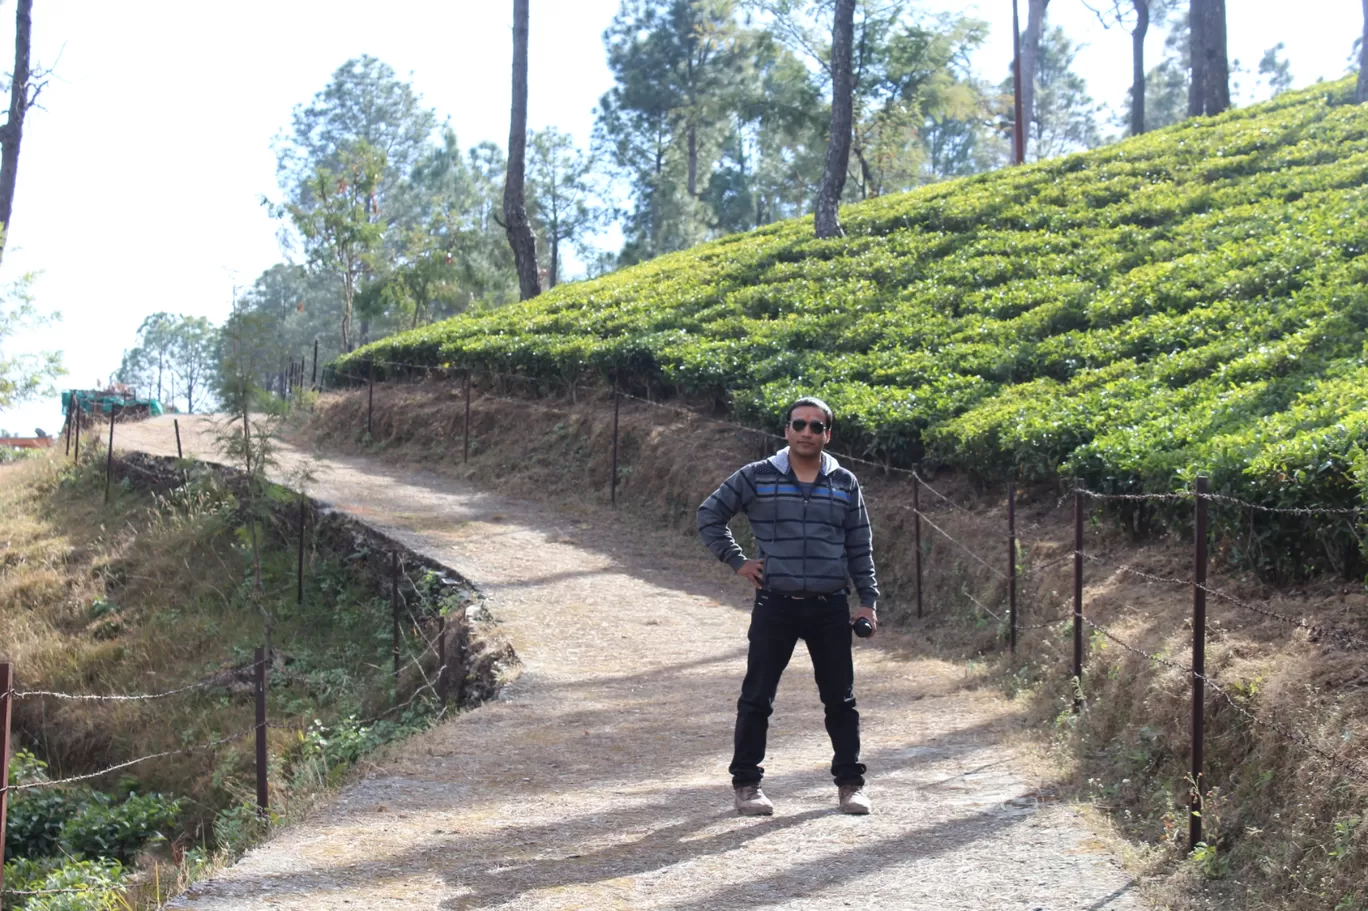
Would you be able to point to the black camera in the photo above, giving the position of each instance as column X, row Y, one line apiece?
column 863, row 628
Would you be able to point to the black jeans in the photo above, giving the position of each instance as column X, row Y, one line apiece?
column 777, row 623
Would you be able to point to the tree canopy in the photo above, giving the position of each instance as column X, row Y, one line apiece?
column 24, row 376
column 718, row 121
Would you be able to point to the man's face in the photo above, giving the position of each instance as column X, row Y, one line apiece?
column 806, row 442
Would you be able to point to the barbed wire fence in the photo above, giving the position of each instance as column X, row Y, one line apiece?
column 434, row 683
column 1009, row 574
column 431, row 628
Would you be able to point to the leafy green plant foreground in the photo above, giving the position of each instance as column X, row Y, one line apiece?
column 1188, row 300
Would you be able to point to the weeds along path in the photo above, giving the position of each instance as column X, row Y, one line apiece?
column 599, row 779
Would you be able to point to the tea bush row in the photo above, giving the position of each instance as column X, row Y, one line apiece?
column 1189, row 300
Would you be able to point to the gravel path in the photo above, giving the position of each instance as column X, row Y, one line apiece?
column 598, row 780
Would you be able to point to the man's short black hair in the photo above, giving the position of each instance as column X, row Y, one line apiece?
column 809, row 401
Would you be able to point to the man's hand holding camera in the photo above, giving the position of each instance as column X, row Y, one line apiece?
column 866, row 614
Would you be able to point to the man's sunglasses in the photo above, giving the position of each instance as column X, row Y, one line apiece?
column 816, row 427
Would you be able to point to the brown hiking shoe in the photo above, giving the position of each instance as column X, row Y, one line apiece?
column 751, row 801
column 854, row 800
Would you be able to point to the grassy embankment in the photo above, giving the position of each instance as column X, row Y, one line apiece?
column 1189, row 300
column 152, row 593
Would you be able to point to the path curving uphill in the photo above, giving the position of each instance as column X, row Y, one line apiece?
column 598, row 779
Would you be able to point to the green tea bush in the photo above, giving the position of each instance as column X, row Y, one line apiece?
column 79, row 822
column 1194, row 299
column 96, row 885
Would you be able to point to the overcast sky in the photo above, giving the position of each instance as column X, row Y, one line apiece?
column 140, row 183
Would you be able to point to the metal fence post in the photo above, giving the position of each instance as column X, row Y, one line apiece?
column 299, row 593
column 6, row 688
column 77, row 457
column 465, row 452
column 1198, row 661
column 1011, row 566
column 68, row 426
column 179, row 453
column 370, row 397
column 616, row 400
column 916, row 536
column 441, row 659
column 313, row 378
column 109, row 459
column 394, row 611
column 263, row 798
column 1078, row 599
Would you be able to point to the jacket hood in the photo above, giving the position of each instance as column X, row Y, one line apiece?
column 780, row 460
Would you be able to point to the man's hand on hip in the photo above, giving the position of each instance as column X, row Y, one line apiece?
column 868, row 614
column 753, row 570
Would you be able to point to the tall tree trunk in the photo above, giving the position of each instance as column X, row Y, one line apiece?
column 1030, row 54
column 1196, row 58
column 553, row 276
column 1018, row 123
column 516, row 223
column 656, row 217
column 13, row 131
column 348, row 294
column 868, row 185
column 1362, row 94
column 1209, row 92
column 842, row 100
column 1142, row 21
column 693, row 161
column 1218, row 61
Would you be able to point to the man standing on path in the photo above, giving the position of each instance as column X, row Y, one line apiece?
column 809, row 520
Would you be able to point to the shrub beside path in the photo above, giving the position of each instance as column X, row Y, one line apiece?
column 598, row 779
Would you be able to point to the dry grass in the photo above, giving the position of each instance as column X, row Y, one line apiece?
column 1287, row 829
column 87, row 593
column 144, row 596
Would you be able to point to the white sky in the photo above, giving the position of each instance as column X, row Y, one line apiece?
column 140, row 183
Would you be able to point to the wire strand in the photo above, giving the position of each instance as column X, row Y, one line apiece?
column 990, row 567
column 29, row 786
column 983, row 607
column 135, row 697
column 1296, row 736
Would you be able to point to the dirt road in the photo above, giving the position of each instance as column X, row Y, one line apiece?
column 598, row 780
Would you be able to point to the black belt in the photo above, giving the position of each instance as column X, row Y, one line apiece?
column 804, row 596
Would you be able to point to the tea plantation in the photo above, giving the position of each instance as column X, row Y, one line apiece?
column 1192, row 299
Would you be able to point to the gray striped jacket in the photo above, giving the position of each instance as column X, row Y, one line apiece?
column 809, row 544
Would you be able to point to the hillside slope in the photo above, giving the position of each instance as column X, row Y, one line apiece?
column 1192, row 299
